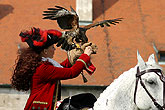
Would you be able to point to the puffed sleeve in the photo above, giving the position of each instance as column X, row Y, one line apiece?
column 49, row 72
column 66, row 63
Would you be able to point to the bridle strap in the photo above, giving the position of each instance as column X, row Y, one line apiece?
column 162, row 78
column 138, row 76
column 157, row 71
column 155, row 102
column 137, row 80
column 141, row 82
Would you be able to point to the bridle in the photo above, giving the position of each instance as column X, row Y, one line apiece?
column 162, row 78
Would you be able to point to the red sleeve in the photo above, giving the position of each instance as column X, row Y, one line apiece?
column 49, row 72
column 66, row 64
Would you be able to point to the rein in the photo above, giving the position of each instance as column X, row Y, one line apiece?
column 162, row 78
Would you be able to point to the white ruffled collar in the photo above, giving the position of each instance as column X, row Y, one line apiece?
column 56, row 64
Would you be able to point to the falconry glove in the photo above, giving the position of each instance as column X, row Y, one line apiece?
column 74, row 54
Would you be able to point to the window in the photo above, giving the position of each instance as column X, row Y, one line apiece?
column 160, row 53
column 161, row 57
column 84, row 11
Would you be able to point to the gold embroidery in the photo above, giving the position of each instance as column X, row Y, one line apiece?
column 55, row 103
column 85, row 64
column 38, row 102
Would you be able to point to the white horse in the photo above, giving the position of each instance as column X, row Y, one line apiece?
column 119, row 95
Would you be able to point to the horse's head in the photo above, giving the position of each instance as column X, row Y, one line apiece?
column 152, row 82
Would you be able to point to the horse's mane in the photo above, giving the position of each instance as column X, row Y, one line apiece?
column 109, row 94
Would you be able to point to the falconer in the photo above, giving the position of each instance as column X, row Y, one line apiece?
column 36, row 71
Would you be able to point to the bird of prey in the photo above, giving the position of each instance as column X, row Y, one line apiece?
column 69, row 20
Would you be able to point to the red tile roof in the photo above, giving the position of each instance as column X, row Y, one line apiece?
column 142, row 26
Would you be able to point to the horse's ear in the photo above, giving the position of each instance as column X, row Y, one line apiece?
column 141, row 63
column 151, row 59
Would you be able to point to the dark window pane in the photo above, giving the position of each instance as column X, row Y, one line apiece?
column 161, row 55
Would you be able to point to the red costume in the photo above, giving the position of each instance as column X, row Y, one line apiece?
column 45, row 79
column 45, row 85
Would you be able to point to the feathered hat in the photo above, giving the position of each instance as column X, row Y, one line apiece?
column 38, row 39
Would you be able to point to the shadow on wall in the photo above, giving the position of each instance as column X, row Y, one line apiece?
column 100, row 6
column 5, row 10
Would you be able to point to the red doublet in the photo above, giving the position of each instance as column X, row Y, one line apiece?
column 44, row 82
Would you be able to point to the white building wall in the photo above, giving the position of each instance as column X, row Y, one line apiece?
column 84, row 9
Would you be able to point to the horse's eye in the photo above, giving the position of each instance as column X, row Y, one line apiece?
column 151, row 82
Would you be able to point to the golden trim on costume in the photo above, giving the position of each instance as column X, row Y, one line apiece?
column 55, row 103
column 85, row 64
column 38, row 102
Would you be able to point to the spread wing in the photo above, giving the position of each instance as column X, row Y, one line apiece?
column 65, row 19
column 103, row 23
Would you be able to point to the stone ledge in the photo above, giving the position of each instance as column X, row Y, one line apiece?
column 12, row 101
